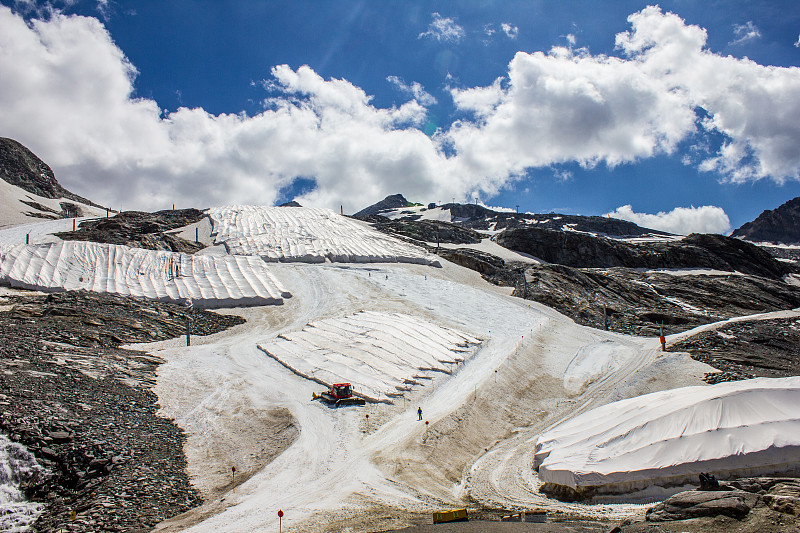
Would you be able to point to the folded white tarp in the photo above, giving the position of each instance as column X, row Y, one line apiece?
column 667, row 438
column 310, row 235
column 210, row 281
column 381, row 354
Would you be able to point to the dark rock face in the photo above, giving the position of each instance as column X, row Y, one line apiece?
column 290, row 204
column 431, row 231
column 84, row 407
column 390, row 202
column 482, row 262
column 19, row 166
column 644, row 303
column 695, row 251
column 780, row 225
column 140, row 230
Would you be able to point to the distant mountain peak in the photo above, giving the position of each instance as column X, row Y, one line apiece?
column 393, row 201
column 780, row 225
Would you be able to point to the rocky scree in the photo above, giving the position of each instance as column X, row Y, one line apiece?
column 83, row 406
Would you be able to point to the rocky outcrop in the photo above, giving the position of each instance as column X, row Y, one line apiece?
column 482, row 262
column 736, row 500
column 83, row 406
column 698, row 503
column 140, row 230
column 582, row 250
column 779, row 225
column 430, row 231
column 20, row 167
column 747, row 349
column 390, row 202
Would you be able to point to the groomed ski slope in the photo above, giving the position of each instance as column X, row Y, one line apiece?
column 382, row 355
column 308, row 235
column 209, row 281
column 733, row 429
column 350, row 471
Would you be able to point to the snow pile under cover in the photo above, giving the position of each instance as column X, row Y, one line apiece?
column 210, row 281
column 665, row 438
column 380, row 354
column 307, row 235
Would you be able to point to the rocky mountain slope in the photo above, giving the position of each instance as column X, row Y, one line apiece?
column 84, row 407
column 29, row 190
column 478, row 217
column 583, row 250
column 140, row 230
column 780, row 225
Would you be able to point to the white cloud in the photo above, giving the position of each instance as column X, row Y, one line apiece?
column 797, row 43
column 443, row 29
column 745, row 32
column 415, row 90
column 571, row 39
column 753, row 106
column 489, row 30
column 510, row 30
column 681, row 220
column 68, row 94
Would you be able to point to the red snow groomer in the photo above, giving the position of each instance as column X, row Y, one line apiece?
column 338, row 395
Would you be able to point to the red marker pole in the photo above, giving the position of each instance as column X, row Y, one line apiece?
column 280, row 520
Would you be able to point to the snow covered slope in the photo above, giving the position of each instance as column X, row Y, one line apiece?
column 14, row 211
column 309, row 235
column 381, row 354
column 667, row 438
column 210, row 281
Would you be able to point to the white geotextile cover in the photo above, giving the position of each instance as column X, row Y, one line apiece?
column 380, row 354
column 730, row 429
column 210, row 281
column 309, row 235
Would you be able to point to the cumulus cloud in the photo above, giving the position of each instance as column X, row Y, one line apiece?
column 415, row 90
column 510, row 30
column 567, row 105
column 745, row 32
column 68, row 94
column 681, row 220
column 443, row 29
column 797, row 42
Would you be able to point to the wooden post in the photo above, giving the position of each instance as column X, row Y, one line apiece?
column 27, row 238
column 196, row 233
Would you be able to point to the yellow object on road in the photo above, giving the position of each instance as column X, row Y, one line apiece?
column 456, row 515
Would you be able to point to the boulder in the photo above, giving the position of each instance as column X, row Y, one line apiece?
column 697, row 503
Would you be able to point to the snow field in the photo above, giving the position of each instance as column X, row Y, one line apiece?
column 210, row 281
column 340, row 469
column 308, row 235
column 381, row 354
column 664, row 438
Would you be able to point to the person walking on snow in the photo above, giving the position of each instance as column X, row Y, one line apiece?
column 419, row 413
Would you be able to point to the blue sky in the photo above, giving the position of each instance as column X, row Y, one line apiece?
column 551, row 106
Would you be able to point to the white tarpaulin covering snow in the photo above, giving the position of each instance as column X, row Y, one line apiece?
column 667, row 438
column 380, row 354
column 210, row 281
column 309, row 235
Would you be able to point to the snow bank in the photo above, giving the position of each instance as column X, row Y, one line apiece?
column 210, row 281
column 667, row 438
column 309, row 235
column 380, row 354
